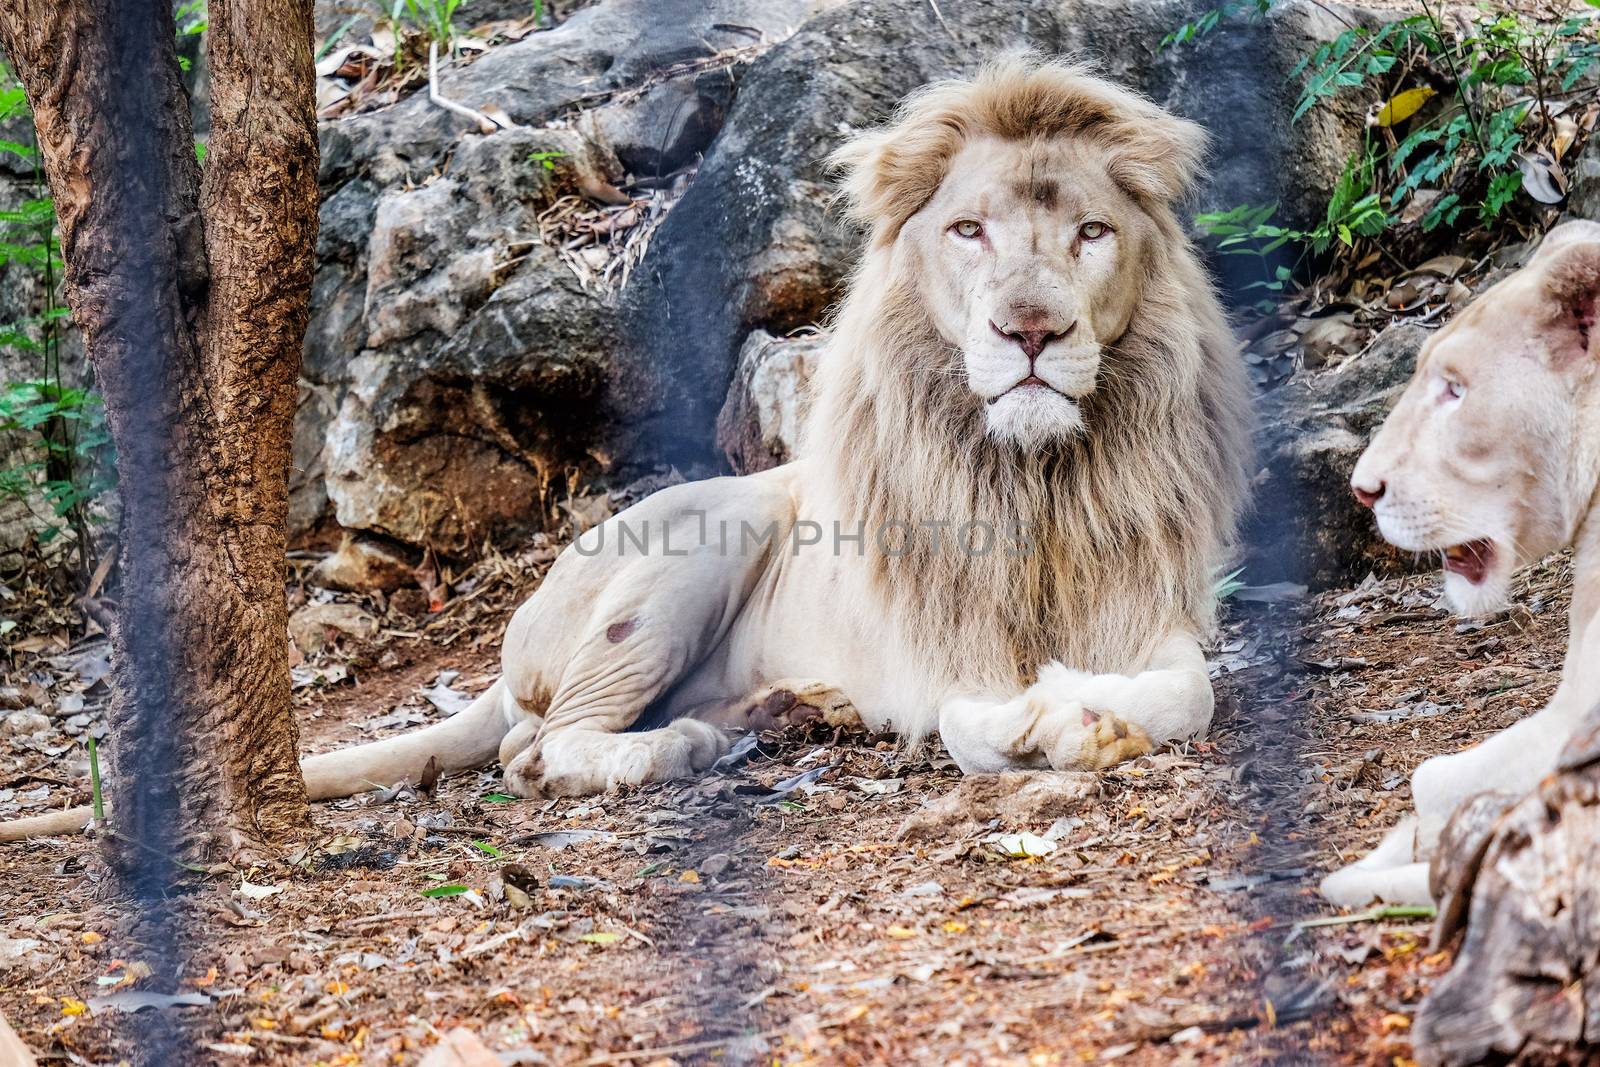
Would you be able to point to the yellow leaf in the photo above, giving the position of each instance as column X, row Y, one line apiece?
column 1402, row 106
column 1394, row 1021
column 89, row 937
column 264, row 1023
column 900, row 933
column 690, row 875
column 605, row 937
column 337, row 988
column 953, row 927
column 73, row 1007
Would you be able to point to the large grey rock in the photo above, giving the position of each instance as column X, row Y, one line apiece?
column 1306, row 526
column 475, row 378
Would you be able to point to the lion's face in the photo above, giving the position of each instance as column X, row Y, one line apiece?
column 1476, row 461
column 1026, row 258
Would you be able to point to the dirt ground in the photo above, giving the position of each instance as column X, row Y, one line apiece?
column 748, row 918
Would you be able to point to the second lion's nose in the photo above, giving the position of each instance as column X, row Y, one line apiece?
column 1368, row 494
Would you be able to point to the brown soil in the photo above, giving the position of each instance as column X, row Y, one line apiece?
column 714, row 922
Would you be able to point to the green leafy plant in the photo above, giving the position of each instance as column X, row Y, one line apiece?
column 63, row 462
column 434, row 18
column 1227, row 584
column 1209, row 20
column 547, row 160
column 1466, row 126
column 193, row 19
column 94, row 782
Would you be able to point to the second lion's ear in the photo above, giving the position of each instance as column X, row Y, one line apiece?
column 1572, row 281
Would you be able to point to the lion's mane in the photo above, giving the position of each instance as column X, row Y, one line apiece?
column 1128, row 520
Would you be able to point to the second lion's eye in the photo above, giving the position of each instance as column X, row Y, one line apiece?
column 1093, row 231
column 967, row 228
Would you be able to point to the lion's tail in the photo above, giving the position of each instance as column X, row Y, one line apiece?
column 469, row 738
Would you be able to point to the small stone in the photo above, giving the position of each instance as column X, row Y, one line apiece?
column 364, row 566
column 310, row 626
column 714, row 864
column 23, row 723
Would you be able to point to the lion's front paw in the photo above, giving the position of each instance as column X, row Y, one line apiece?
column 785, row 704
column 1095, row 741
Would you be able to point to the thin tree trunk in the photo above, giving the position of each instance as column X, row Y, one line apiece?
column 192, row 296
column 1523, row 876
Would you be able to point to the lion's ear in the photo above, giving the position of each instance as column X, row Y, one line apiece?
column 888, row 174
column 1162, row 158
column 858, row 163
column 1572, row 281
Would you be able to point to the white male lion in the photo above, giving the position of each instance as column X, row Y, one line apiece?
column 1026, row 453
column 1492, row 458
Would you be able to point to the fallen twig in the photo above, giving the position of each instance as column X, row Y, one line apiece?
column 486, row 123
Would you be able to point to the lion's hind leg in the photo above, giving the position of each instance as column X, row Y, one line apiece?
column 654, row 617
column 781, row 704
column 582, row 762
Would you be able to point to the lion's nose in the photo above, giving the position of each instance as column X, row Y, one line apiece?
column 1033, row 341
column 1369, row 492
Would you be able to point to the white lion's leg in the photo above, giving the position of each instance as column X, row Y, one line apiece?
column 1511, row 761
column 787, row 702
column 1356, row 886
column 583, row 746
column 519, row 737
column 581, row 761
column 670, row 602
column 1046, row 726
column 1171, row 699
column 1390, row 873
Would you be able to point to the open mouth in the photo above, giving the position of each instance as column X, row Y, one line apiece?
column 1470, row 560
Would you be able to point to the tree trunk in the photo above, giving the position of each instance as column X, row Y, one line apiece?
column 192, row 295
column 1524, row 876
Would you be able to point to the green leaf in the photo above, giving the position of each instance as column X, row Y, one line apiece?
column 445, row 891
column 601, row 937
column 499, row 798
column 486, row 848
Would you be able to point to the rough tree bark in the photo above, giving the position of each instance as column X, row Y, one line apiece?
column 191, row 288
column 1523, row 875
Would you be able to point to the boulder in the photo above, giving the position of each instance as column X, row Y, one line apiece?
column 1306, row 526
column 464, row 371
column 759, row 425
column 481, row 361
column 314, row 625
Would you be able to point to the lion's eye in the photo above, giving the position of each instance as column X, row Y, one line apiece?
column 968, row 229
column 1453, row 390
column 1093, row 231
